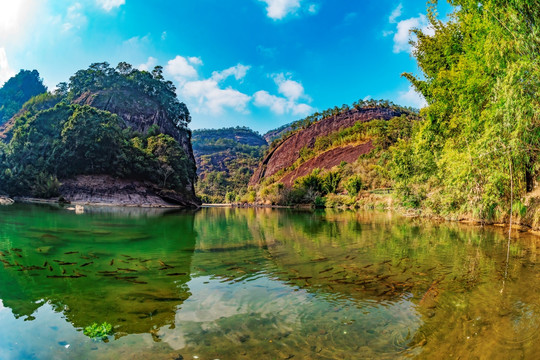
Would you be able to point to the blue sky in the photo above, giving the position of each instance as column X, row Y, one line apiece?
column 258, row 63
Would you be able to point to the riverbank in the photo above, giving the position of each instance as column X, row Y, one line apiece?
column 529, row 223
column 29, row 200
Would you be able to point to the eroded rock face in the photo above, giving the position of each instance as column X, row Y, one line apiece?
column 327, row 160
column 288, row 151
column 104, row 189
column 140, row 112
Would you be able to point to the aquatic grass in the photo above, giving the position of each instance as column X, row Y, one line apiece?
column 98, row 332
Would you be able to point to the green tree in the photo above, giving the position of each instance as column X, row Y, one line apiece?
column 478, row 145
column 17, row 90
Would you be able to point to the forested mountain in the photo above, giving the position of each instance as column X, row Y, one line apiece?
column 275, row 134
column 117, row 122
column 473, row 151
column 226, row 159
column 17, row 90
column 339, row 151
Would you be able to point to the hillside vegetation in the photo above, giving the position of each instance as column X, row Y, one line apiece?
column 476, row 151
column 226, row 159
column 17, row 90
column 473, row 151
column 329, row 159
column 54, row 139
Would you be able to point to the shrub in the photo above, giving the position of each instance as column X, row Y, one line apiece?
column 46, row 186
column 312, row 182
column 331, row 182
column 353, row 185
column 339, row 201
column 319, row 202
column 230, row 197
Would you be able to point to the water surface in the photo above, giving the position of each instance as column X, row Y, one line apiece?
column 261, row 283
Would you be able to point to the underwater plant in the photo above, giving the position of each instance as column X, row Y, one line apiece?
column 98, row 332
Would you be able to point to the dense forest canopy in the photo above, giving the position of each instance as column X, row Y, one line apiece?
column 100, row 76
column 476, row 152
column 211, row 137
column 17, row 90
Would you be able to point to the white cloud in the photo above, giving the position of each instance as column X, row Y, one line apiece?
column 277, row 104
column 279, row 9
column 149, row 65
column 207, row 95
column 10, row 14
column 403, row 35
column 195, row 60
column 137, row 41
column 395, row 14
column 239, row 72
column 210, row 97
column 74, row 19
column 291, row 90
column 6, row 71
column 164, row 35
column 302, row 109
column 411, row 98
column 108, row 5
column 313, row 9
column 18, row 18
column 181, row 68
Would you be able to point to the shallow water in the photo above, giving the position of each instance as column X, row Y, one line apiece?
column 261, row 283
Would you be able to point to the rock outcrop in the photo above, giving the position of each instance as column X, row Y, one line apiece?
column 5, row 201
column 328, row 160
column 106, row 190
column 140, row 112
column 287, row 152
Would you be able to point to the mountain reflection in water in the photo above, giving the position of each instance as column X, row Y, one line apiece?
column 239, row 283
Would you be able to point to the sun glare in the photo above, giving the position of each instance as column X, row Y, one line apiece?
column 10, row 14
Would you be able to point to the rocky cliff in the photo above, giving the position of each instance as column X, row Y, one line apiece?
column 140, row 112
column 287, row 152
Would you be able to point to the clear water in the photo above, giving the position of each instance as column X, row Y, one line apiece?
column 262, row 284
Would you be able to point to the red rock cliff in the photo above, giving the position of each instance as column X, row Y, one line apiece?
column 287, row 152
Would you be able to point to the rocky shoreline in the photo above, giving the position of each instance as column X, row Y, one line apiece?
column 106, row 190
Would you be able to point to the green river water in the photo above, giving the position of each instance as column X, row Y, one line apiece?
column 263, row 284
